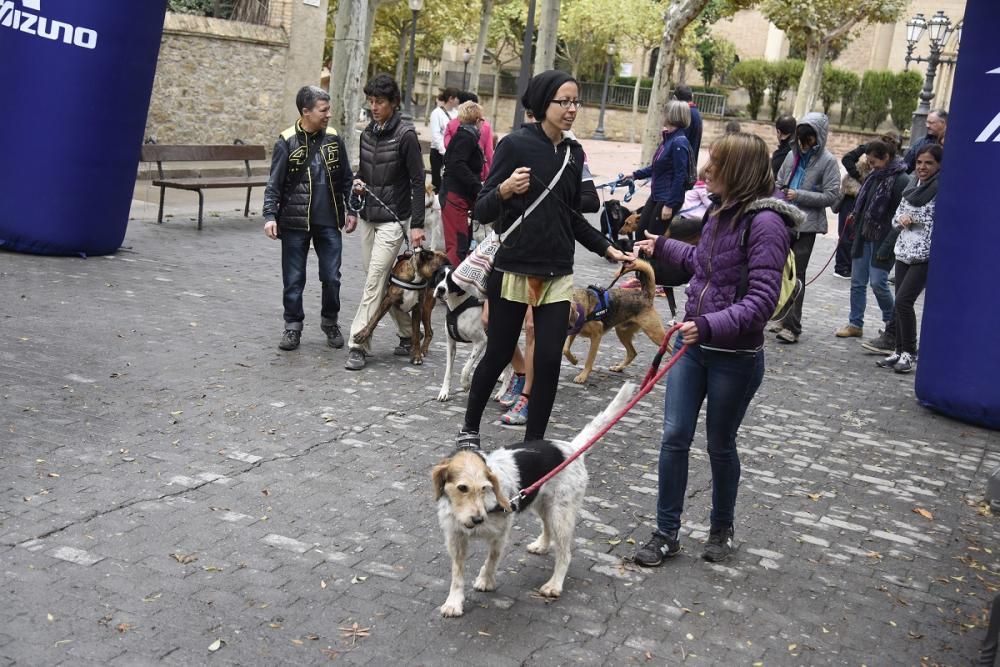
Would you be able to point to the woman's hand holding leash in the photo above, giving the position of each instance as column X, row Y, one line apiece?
column 689, row 333
column 350, row 224
column 645, row 247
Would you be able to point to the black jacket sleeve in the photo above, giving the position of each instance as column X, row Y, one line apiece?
column 461, row 150
column 409, row 150
column 490, row 206
column 276, row 180
column 850, row 161
column 342, row 186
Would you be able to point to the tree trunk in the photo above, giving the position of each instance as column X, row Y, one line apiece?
column 401, row 58
column 548, row 32
column 350, row 57
column 476, row 66
column 682, row 71
column 635, row 96
column 428, row 106
column 678, row 16
column 812, row 77
column 496, row 95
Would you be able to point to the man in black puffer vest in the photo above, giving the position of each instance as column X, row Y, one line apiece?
column 303, row 204
column 392, row 169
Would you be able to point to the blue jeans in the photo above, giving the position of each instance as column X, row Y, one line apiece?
column 863, row 272
column 729, row 380
column 294, row 251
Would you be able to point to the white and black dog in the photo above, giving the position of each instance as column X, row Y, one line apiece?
column 463, row 318
column 472, row 491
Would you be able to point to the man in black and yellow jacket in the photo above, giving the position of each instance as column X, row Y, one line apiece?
column 304, row 202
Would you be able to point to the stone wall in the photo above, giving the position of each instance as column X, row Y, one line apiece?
column 219, row 80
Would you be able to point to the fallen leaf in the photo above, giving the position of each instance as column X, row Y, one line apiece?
column 216, row 645
column 892, row 623
column 630, row 541
column 484, row 633
column 53, row 474
column 358, row 579
column 792, row 647
column 176, row 412
column 184, row 559
column 814, row 496
column 50, row 617
column 924, row 513
column 152, row 597
column 689, row 636
column 123, row 627
column 211, row 568
column 322, row 584
column 265, row 492
column 614, row 541
column 297, row 642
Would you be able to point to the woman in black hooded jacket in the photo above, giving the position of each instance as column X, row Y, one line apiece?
column 534, row 267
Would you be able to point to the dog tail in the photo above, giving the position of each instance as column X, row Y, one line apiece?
column 647, row 276
column 624, row 395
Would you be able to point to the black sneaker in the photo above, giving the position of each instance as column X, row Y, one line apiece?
column 467, row 440
column 290, row 339
column 888, row 362
column 333, row 336
column 881, row 345
column 719, row 545
column 658, row 547
column 404, row 348
column 355, row 359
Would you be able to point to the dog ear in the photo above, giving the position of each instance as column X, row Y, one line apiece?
column 501, row 499
column 439, row 476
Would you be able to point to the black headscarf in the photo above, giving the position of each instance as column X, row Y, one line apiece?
column 542, row 90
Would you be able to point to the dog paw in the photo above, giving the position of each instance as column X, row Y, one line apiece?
column 417, row 361
column 617, row 368
column 550, row 590
column 538, row 547
column 451, row 609
column 485, row 583
column 443, row 395
column 581, row 378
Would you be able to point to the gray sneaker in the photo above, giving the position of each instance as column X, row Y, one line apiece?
column 334, row 338
column 404, row 348
column 355, row 359
column 290, row 339
column 881, row 345
column 905, row 363
column 659, row 546
column 719, row 545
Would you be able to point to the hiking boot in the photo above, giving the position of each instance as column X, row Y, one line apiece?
column 659, row 546
column 518, row 413
column 513, row 392
column 881, row 345
column 849, row 331
column 467, row 439
column 334, row 338
column 355, row 359
column 719, row 545
column 786, row 336
column 905, row 363
column 405, row 347
column 290, row 339
column 888, row 362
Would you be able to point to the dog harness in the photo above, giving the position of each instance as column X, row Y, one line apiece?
column 418, row 284
column 600, row 310
column 451, row 318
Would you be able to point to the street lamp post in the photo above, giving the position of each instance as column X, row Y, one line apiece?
column 525, row 73
column 415, row 7
column 599, row 132
column 466, row 57
column 939, row 29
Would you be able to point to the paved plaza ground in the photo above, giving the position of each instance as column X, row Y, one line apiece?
column 174, row 489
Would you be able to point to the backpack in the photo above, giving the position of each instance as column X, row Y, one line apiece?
column 692, row 174
column 791, row 286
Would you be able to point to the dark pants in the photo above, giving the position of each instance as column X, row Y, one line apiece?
column 437, row 163
column 842, row 258
column 294, row 251
column 504, row 329
column 650, row 221
column 910, row 282
column 802, row 247
column 455, row 223
column 729, row 381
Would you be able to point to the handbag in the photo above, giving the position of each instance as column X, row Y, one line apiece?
column 474, row 271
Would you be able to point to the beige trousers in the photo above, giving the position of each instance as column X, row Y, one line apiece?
column 380, row 245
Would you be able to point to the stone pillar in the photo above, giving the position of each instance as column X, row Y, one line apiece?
column 306, row 28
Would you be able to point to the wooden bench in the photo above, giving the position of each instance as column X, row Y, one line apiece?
column 192, row 153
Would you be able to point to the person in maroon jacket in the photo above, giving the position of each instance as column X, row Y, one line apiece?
column 736, row 280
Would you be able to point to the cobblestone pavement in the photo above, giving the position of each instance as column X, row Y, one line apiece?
column 172, row 483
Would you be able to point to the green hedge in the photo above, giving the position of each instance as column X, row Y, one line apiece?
column 752, row 76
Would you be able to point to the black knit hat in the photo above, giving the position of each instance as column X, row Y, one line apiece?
column 542, row 90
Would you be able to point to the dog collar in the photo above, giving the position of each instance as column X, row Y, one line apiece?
column 398, row 282
column 451, row 318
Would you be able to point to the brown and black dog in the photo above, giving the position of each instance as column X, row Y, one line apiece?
column 418, row 268
column 628, row 311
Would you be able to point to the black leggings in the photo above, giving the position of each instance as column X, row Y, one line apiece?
column 506, row 319
column 910, row 282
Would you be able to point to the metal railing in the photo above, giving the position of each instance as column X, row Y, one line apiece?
column 619, row 97
column 245, row 11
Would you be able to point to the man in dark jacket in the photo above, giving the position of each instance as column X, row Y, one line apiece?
column 392, row 171
column 692, row 131
column 303, row 204
column 937, row 125
column 784, row 127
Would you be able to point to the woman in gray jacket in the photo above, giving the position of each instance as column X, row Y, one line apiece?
column 810, row 179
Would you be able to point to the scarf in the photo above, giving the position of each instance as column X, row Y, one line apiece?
column 920, row 194
column 801, row 164
column 876, row 193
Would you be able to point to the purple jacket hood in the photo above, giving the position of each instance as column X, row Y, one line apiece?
column 717, row 266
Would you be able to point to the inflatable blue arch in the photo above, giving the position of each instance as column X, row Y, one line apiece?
column 958, row 372
column 76, row 80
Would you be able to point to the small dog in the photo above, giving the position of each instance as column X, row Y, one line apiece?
column 687, row 230
column 415, row 269
column 464, row 324
column 472, row 491
column 627, row 311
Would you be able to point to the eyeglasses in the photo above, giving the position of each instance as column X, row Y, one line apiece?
column 566, row 104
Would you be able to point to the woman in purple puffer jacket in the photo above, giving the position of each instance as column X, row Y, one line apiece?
column 724, row 327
